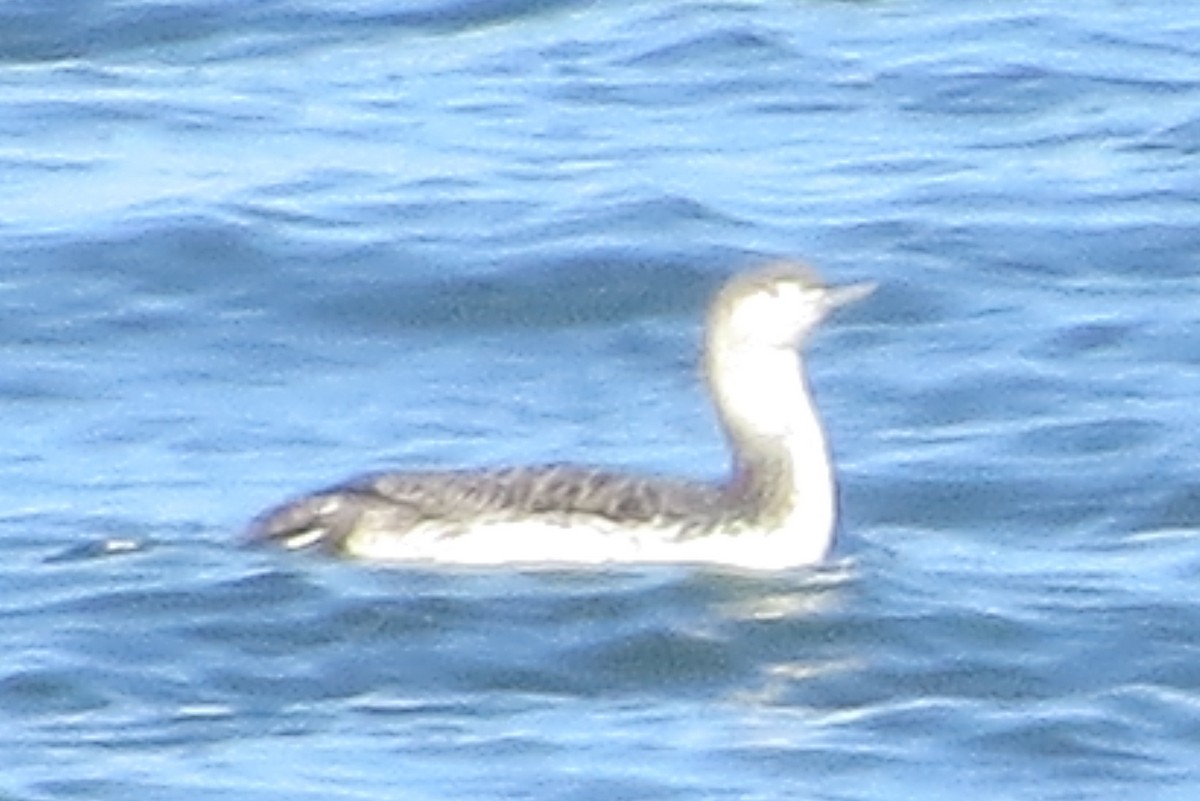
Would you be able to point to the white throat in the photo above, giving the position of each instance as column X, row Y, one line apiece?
column 779, row 444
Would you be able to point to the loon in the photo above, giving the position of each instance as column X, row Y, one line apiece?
column 776, row 509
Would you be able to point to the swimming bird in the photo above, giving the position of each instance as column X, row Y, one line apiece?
column 775, row 509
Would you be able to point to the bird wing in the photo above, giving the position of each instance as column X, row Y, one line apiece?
column 397, row 502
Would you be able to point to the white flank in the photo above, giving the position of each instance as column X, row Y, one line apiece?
column 535, row 543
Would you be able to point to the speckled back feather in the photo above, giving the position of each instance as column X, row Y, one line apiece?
column 457, row 499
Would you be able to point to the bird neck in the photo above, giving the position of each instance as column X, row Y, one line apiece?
column 781, row 473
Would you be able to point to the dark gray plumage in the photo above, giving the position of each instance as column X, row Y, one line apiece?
column 456, row 500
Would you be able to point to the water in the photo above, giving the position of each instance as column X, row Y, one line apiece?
column 251, row 249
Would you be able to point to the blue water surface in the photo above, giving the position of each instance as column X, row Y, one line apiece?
column 249, row 249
